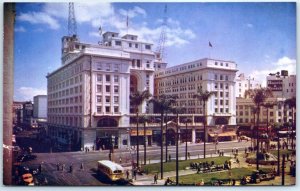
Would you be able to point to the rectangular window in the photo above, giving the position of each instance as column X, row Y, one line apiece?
column 99, row 88
column 107, row 109
column 138, row 63
column 227, row 94
column 118, row 43
column 99, row 99
column 216, row 102
column 116, row 79
column 147, row 46
column 107, row 67
column 221, row 94
column 99, row 77
column 216, row 77
column 116, row 99
column 226, row 78
column 116, row 89
column 221, row 77
column 221, row 102
column 136, row 45
column 130, row 45
column 107, row 78
column 99, row 66
column 116, row 109
column 216, row 63
column 107, row 99
column 107, row 89
column 227, row 102
column 227, row 110
column 221, row 85
column 99, row 108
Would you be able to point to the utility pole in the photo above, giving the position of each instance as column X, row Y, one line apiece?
column 8, row 70
column 282, row 167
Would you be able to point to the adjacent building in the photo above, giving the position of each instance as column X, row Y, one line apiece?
column 244, row 83
column 282, row 84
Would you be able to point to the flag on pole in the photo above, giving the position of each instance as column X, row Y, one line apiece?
column 127, row 21
column 209, row 44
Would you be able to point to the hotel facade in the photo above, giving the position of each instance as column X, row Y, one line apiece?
column 88, row 95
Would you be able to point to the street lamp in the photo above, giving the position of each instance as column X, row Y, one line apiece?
column 216, row 140
column 186, row 149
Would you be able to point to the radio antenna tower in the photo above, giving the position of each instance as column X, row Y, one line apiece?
column 162, row 39
column 72, row 28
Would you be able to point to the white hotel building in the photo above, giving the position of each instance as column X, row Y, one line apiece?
column 207, row 74
column 88, row 96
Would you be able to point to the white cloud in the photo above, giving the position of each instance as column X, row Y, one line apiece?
column 27, row 93
column 20, row 29
column 249, row 25
column 284, row 63
column 39, row 18
column 133, row 12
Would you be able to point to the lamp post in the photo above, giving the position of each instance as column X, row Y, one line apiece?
column 186, row 149
column 216, row 140
column 177, row 139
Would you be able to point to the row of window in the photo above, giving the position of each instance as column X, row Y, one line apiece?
column 107, row 89
column 66, row 110
column 107, row 99
column 62, row 120
column 107, row 109
column 136, row 45
column 108, row 67
column 65, row 73
column 71, row 100
column 271, row 113
column 221, row 77
column 69, row 82
column 221, row 110
column 241, row 120
column 107, row 78
column 66, row 92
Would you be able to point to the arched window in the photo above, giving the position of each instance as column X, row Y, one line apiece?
column 107, row 122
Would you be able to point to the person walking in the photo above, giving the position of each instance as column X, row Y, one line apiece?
column 169, row 158
column 81, row 166
column 71, row 168
column 127, row 174
column 134, row 174
column 40, row 168
column 155, row 179
column 57, row 166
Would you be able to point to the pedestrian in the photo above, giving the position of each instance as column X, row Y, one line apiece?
column 120, row 160
column 155, row 179
column 57, row 166
column 93, row 147
column 169, row 158
column 189, row 155
column 238, row 161
column 81, row 166
column 245, row 150
column 71, row 168
column 127, row 174
column 109, row 156
column 63, row 167
column 40, row 168
column 233, row 182
column 134, row 174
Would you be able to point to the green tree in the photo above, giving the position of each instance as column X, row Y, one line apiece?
column 136, row 99
column 204, row 97
column 258, row 96
column 161, row 104
column 268, row 105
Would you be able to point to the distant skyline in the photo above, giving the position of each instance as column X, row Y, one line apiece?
column 259, row 37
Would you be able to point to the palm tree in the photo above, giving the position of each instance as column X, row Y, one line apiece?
column 136, row 99
column 177, row 110
column 162, row 103
column 258, row 97
column 268, row 105
column 203, row 96
column 254, row 111
column 291, row 102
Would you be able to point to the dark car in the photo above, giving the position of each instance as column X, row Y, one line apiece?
column 26, row 157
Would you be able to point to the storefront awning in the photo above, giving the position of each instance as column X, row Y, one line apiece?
column 224, row 134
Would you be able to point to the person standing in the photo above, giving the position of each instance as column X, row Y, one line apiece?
column 155, row 179
column 81, row 166
column 127, row 174
column 40, row 168
column 120, row 160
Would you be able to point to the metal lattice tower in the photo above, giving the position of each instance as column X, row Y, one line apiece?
column 163, row 37
column 72, row 26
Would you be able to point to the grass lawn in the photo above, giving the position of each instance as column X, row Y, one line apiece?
column 171, row 166
column 281, row 152
column 236, row 173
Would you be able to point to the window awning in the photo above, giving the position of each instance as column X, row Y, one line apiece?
column 225, row 134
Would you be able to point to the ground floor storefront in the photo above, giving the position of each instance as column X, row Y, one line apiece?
column 109, row 138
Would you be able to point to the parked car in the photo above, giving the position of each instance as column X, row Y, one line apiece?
column 26, row 157
column 243, row 137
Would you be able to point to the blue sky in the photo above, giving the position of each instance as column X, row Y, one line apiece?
column 259, row 37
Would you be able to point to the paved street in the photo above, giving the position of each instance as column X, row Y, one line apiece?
column 88, row 175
